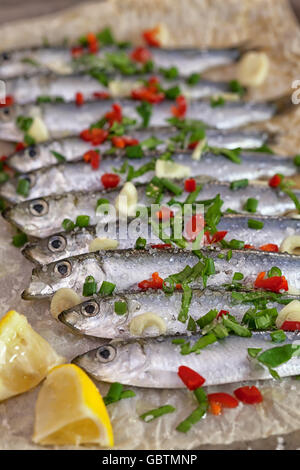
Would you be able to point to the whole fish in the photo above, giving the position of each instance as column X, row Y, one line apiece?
column 26, row 90
column 154, row 363
column 97, row 317
column 76, row 242
column 80, row 176
column 72, row 149
column 59, row 60
column 64, row 119
column 43, row 217
column 127, row 268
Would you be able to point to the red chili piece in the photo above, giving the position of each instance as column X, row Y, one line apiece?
column 164, row 214
column 115, row 115
column 77, row 51
column 194, row 226
column 110, row 180
column 180, row 109
column 162, row 246
column 20, row 146
column 93, row 44
column 124, row 141
column 79, row 99
column 141, row 54
column 101, row 95
column 93, row 158
column 150, row 36
column 155, row 283
column 149, row 92
column 222, row 312
column 290, row 326
column 269, row 247
column 190, row 185
column 275, row 181
column 190, row 378
column 274, row 283
column 9, row 101
column 248, row 395
column 224, row 399
column 95, row 136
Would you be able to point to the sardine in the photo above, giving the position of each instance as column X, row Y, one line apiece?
column 64, row 119
column 59, row 60
column 127, row 268
column 29, row 89
column 39, row 156
column 154, row 363
column 80, row 176
column 43, row 217
column 65, row 244
column 96, row 316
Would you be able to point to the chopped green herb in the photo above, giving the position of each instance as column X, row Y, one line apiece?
column 192, row 326
column 239, row 184
column 278, row 336
column 255, row 224
column 140, row 243
column 89, row 286
column 157, row 412
column 236, row 328
column 251, row 205
column 219, row 101
column 19, row 239
column 3, row 177
column 23, row 187
column 193, row 418
column 193, row 79
column 236, row 87
column 82, row 221
column 105, row 37
column 107, row 288
column 151, row 143
column 116, row 393
column 274, row 271
column 68, row 225
column 59, row 157
column 24, row 123
column 134, row 151
column 145, row 111
column 172, row 187
column 297, row 160
column 185, row 303
column 120, row 307
column 170, row 74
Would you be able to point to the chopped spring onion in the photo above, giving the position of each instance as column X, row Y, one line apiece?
column 234, row 326
column 19, row 239
column 82, row 221
column 116, row 393
column 278, row 336
column 255, row 224
column 251, row 205
column 89, row 286
column 23, row 187
column 185, row 303
column 107, row 288
column 193, row 418
column 193, row 79
column 274, row 271
column 140, row 243
column 157, row 412
column 145, row 111
column 59, row 157
column 120, row 307
column 134, row 151
column 239, row 184
column 174, row 188
column 207, row 318
column 68, row 225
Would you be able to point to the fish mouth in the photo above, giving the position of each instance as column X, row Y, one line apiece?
column 65, row 317
column 27, row 253
column 37, row 290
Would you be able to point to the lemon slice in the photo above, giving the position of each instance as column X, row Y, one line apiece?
column 25, row 357
column 70, row 410
column 253, row 68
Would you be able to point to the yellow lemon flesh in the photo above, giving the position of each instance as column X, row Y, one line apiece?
column 25, row 357
column 70, row 410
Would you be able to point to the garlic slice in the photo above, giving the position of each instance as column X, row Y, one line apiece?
column 198, row 150
column 141, row 322
column 163, row 34
column 63, row 299
column 291, row 245
column 103, row 244
column 38, row 130
column 127, row 200
column 119, row 88
column 168, row 169
column 253, row 68
column 290, row 312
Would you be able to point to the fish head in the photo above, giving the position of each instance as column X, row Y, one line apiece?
column 116, row 361
column 96, row 317
column 8, row 127
column 35, row 217
column 9, row 189
column 47, row 250
column 68, row 272
column 31, row 158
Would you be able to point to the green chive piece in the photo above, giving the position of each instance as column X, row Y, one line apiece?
column 89, row 286
column 239, row 184
column 297, row 160
column 220, row 101
column 234, row 326
column 120, row 307
column 178, row 341
column 193, row 418
column 23, row 187
column 203, row 342
column 236, row 87
column 59, row 157
column 174, row 188
column 151, row 143
column 238, row 276
column 145, row 111
column 274, row 271
column 116, row 393
column 170, row 74
column 207, row 318
column 157, row 412
column 193, row 79
column 107, row 288
column 200, row 395
column 3, row 177
column 253, row 352
column 24, row 123
column 140, row 243
column 172, row 93
column 185, row 303
column 82, row 221
column 191, row 198
column 255, row 224
column 134, row 151
column 192, row 326
column 19, row 239
column 102, row 201
column 229, row 255
column 278, row 336
column 235, row 245
column 68, row 225
column 251, row 205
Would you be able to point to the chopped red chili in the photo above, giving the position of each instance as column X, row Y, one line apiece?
column 274, row 283
column 77, row 51
column 93, row 158
column 249, row 247
column 248, row 395
column 20, row 146
column 190, row 185
column 180, row 109
column 275, row 181
column 151, row 37
column 216, row 237
column 149, row 92
column 290, row 326
column 194, row 226
column 141, row 54
column 79, row 98
column 164, row 214
column 124, row 141
column 95, row 136
column 115, row 115
column 93, row 44
column 224, row 399
column 190, row 378
column 222, row 312
column 155, row 283
column 101, row 95
column 193, row 145
column 162, row 246
column 269, row 247
column 9, row 101
column 110, row 180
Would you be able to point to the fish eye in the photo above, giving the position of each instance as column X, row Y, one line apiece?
column 57, row 243
column 5, row 56
column 38, row 208
column 90, row 309
column 6, row 113
column 63, row 268
column 106, row 353
column 31, row 151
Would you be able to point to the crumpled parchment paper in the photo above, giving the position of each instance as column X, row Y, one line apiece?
column 268, row 24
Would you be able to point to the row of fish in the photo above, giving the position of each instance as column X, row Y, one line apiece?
column 66, row 191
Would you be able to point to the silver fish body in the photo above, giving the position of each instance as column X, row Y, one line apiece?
column 154, row 363
column 39, row 156
column 64, row 119
column 128, row 268
column 80, row 176
column 44, row 216
column 28, row 89
column 59, row 60
column 97, row 317
column 65, row 244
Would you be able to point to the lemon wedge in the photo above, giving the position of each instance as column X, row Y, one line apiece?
column 70, row 410
column 253, row 68
column 25, row 357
